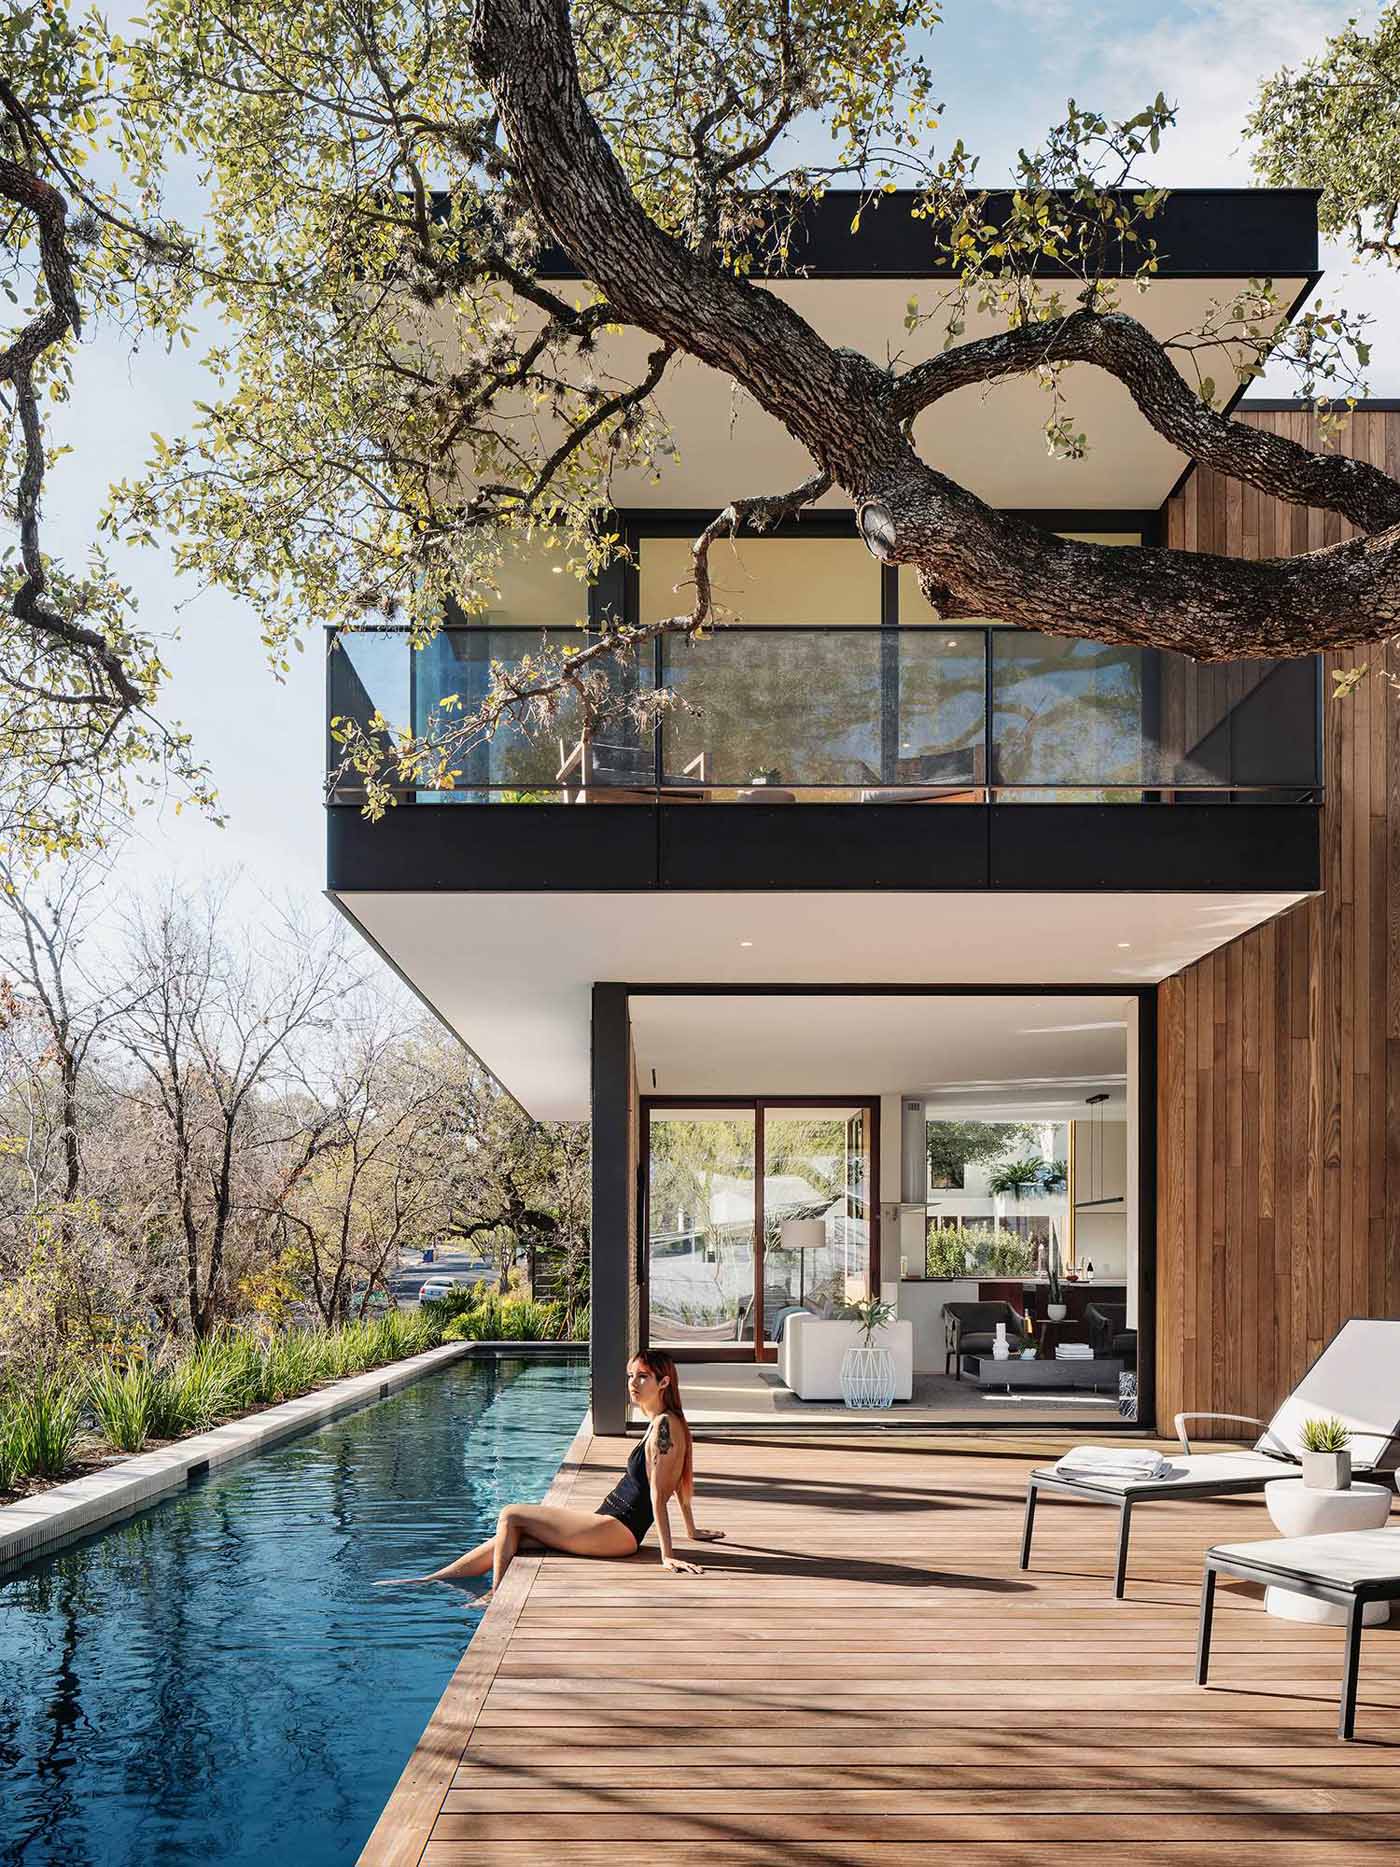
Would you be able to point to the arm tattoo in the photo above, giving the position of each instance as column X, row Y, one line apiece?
column 663, row 1435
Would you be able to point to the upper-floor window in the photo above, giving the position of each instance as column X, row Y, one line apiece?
column 764, row 581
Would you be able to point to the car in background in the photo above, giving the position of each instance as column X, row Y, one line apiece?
column 434, row 1288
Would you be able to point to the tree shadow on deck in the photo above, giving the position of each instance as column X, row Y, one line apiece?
column 856, row 1496
column 760, row 1559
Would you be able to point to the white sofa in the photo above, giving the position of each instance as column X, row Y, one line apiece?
column 810, row 1352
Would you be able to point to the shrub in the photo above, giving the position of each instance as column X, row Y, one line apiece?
column 124, row 1401
column 196, row 1391
column 9, row 1441
column 993, row 1249
column 48, row 1425
column 292, row 1364
column 458, row 1300
column 507, row 1319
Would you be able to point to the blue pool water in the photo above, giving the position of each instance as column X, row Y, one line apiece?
column 218, row 1679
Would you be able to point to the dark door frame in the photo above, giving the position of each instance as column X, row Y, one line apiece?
column 868, row 1107
column 1145, row 997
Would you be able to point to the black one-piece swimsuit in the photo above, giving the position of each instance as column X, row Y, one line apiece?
column 630, row 1498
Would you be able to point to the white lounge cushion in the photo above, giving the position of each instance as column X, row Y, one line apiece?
column 1344, row 1556
column 1203, row 1471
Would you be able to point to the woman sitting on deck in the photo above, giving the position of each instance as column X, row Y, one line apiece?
column 659, row 1468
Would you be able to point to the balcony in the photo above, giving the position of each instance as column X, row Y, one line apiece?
column 801, row 714
column 1041, row 743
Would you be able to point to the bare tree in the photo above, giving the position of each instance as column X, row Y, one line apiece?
column 367, row 1175
column 46, row 924
column 208, row 1039
column 514, row 1184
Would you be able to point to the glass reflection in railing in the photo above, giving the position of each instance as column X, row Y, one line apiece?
column 851, row 709
column 851, row 713
column 1089, row 714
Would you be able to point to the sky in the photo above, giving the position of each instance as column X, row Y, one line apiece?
column 1005, row 69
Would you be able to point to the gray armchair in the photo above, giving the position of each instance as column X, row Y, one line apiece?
column 971, row 1329
column 1109, row 1333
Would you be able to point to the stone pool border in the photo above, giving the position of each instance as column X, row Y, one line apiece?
column 66, row 1511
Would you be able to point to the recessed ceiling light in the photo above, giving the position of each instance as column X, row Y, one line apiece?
column 1125, row 943
column 746, row 943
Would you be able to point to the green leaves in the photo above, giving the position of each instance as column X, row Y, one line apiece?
column 1334, row 125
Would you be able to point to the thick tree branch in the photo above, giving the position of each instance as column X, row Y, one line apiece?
column 1124, row 348
column 853, row 417
column 523, row 51
column 49, row 327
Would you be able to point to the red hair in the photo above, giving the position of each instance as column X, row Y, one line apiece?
column 662, row 1369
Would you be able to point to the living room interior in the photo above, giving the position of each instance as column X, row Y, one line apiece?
column 972, row 1159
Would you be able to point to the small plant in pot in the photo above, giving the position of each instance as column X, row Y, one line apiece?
column 872, row 1315
column 1055, row 1308
column 1326, row 1455
column 765, row 774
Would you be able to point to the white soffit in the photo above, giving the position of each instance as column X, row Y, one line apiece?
column 512, row 974
column 990, row 439
column 972, row 1059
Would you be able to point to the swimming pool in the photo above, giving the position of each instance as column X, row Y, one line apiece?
column 218, row 1679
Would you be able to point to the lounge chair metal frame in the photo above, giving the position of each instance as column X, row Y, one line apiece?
column 1281, row 1464
column 1353, row 1598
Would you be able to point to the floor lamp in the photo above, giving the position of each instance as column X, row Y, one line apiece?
column 802, row 1236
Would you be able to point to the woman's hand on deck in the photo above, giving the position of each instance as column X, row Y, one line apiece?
column 707, row 1536
column 681, row 1567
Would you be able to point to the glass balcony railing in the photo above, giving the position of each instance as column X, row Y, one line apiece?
column 856, row 714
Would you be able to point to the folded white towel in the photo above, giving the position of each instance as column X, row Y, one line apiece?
column 1074, row 1351
column 1111, row 1462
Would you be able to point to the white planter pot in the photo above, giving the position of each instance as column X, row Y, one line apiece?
column 1057, row 1311
column 1327, row 1471
column 867, row 1377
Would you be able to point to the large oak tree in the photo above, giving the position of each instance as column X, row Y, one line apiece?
column 402, row 398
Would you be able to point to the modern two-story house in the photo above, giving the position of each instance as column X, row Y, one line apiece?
column 877, row 871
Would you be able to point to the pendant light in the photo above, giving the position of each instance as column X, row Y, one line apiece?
column 1095, row 1104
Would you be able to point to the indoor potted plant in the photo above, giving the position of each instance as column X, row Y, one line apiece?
column 867, row 1372
column 1326, row 1455
column 1055, row 1308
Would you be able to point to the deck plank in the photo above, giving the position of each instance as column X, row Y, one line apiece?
column 863, row 1677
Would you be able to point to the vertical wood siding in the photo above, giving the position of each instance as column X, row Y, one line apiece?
column 1279, row 1055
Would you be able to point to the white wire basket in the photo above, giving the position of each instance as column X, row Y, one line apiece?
column 867, row 1377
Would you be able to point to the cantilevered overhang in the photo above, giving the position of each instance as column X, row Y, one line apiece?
column 512, row 974
column 856, row 288
column 624, row 849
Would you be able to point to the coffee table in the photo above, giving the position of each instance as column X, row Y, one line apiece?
column 1015, row 1373
column 1309, row 1510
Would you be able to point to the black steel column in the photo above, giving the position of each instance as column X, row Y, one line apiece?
column 609, row 1226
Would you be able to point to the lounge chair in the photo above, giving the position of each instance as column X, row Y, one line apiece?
column 1356, row 1378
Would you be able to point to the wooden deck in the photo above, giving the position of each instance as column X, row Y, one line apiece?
column 863, row 1676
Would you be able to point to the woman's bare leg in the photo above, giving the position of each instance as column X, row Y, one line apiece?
column 575, row 1532
column 476, row 1561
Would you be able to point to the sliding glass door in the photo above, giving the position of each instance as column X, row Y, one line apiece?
column 701, row 1188
column 755, row 1209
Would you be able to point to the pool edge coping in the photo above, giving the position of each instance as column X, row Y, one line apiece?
column 400, row 1832
column 33, row 1525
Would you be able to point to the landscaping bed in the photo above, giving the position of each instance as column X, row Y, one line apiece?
column 82, row 1417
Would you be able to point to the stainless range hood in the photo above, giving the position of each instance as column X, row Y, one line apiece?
column 913, row 1151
